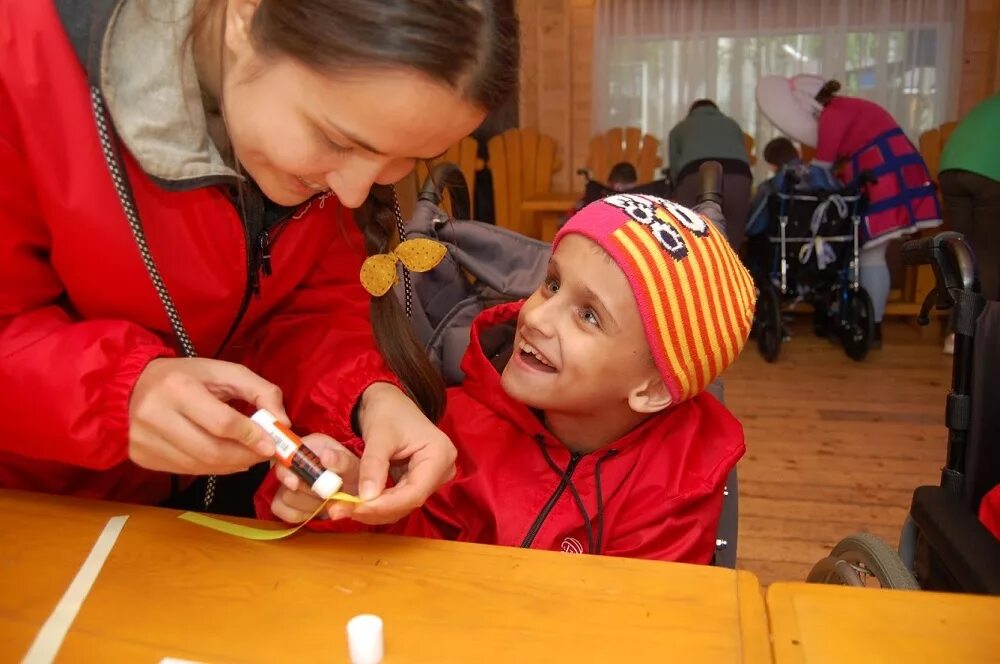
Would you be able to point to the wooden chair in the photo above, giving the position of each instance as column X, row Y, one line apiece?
column 749, row 142
column 522, row 163
column 464, row 154
column 931, row 143
column 624, row 144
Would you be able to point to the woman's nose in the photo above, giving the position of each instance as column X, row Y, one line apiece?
column 350, row 186
column 352, row 181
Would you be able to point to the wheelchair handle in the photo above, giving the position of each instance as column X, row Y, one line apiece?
column 950, row 257
column 447, row 174
column 710, row 174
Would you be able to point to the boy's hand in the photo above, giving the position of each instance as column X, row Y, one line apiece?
column 295, row 501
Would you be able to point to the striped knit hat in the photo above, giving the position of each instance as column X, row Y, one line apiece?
column 695, row 297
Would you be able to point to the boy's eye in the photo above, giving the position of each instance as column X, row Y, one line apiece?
column 589, row 317
column 552, row 285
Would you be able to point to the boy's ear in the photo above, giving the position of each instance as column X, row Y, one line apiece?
column 650, row 396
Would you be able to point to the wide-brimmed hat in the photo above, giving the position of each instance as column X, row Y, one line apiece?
column 790, row 104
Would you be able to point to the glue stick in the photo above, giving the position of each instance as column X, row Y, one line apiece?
column 290, row 452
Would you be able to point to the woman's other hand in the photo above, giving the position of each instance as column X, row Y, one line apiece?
column 294, row 502
column 399, row 436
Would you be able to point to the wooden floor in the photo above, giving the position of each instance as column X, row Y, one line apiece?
column 833, row 446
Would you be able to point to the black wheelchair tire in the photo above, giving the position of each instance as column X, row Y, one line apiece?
column 769, row 329
column 866, row 551
column 857, row 325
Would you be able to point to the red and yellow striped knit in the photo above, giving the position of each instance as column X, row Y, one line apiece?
column 695, row 298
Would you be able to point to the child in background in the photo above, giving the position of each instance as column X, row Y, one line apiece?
column 622, row 176
column 582, row 425
column 783, row 158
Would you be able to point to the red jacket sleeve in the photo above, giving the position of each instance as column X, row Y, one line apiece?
column 64, row 383
column 833, row 125
column 319, row 346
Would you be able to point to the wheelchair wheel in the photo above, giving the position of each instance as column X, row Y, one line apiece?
column 768, row 318
column 859, row 559
column 857, row 325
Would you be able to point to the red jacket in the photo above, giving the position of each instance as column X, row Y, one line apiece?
column 655, row 493
column 79, row 318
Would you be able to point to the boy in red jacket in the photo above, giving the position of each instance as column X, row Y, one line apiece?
column 591, row 433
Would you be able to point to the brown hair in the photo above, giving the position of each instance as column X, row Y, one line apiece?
column 780, row 151
column 470, row 45
column 702, row 103
column 827, row 92
column 623, row 173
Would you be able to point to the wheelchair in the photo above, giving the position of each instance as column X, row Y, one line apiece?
column 943, row 545
column 595, row 189
column 810, row 252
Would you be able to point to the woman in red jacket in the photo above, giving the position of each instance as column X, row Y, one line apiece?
column 176, row 182
column 594, row 435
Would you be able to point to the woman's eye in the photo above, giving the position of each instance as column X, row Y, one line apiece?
column 552, row 286
column 332, row 145
column 337, row 148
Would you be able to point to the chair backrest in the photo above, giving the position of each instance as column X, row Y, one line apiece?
column 522, row 162
column 982, row 461
column 620, row 144
column 806, row 152
column 749, row 143
column 931, row 144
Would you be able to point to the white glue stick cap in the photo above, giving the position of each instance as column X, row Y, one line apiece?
column 328, row 484
column 264, row 418
column 364, row 639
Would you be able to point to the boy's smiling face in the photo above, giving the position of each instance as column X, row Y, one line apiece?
column 580, row 347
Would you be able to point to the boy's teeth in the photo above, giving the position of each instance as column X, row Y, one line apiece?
column 528, row 348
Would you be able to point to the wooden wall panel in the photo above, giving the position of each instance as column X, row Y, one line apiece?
column 557, row 64
column 980, row 58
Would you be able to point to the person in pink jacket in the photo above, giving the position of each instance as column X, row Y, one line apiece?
column 854, row 136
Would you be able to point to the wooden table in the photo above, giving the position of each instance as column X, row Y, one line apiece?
column 170, row 588
column 819, row 623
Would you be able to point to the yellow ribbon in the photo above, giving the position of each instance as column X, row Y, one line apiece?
column 254, row 533
column 378, row 273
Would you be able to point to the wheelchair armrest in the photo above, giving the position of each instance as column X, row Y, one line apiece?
column 969, row 552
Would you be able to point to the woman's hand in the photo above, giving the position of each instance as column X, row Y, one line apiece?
column 179, row 420
column 397, row 434
column 294, row 502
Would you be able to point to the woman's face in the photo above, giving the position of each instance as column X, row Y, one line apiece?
column 297, row 131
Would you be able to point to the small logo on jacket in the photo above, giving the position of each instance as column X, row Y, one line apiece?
column 571, row 545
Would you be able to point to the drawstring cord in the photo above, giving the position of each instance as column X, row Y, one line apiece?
column 595, row 544
column 599, row 517
column 568, row 481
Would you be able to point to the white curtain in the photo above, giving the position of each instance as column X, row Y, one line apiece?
column 652, row 58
